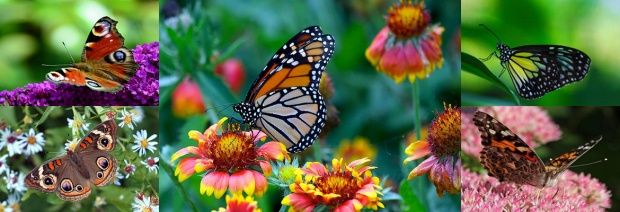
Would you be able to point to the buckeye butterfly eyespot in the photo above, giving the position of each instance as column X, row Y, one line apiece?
column 536, row 70
column 284, row 101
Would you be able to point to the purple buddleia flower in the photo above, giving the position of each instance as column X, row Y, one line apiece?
column 142, row 89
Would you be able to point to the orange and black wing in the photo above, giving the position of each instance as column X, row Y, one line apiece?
column 299, row 63
column 505, row 155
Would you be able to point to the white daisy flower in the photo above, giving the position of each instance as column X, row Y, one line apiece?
column 32, row 142
column 15, row 184
column 4, row 206
column 13, row 145
column 4, row 135
column 127, row 119
column 144, row 142
column 71, row 144
column 99, row 202
column 129, row 169
column 4, row 168
column 151, row 164
column 145, row 203
column 138, row 114
column 78, row 125
column 118, row 178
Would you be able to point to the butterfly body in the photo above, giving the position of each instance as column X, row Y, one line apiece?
column 508, row 158
column 106, row 64
column 284, row 101
column 72, row 175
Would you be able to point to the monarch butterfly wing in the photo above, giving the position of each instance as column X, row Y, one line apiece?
column 292, row 116
column 299, row 63
column 538, row 69
column 560, row 163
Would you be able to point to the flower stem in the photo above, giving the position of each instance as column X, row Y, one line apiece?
column 166, row 167
column 416, row 110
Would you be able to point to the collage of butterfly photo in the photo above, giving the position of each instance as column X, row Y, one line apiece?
column 309, row 105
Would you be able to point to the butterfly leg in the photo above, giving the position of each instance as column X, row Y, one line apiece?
column 488, row 57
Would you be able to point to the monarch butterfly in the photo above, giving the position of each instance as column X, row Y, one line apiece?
column 284, row 101
column 536, row 70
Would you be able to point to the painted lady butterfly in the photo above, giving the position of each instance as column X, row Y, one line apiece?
column 508, row 158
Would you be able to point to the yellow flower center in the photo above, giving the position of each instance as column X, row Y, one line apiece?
column 144, row 143
column 406, row 19
column 232, row 151
column 444, row 134
column 146, row 209
column 32, row 140
column 127, row 119
column 77, row 124
column 341, row 184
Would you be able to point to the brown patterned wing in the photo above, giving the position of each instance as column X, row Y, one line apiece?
column 559, row 164
column 505, row 155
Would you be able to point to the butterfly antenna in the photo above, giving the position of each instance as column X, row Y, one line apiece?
column 493, row 33
column 67, row 50
column 587, row 164
column 57, row 65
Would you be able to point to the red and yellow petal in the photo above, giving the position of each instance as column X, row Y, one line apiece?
column 203, row 165
column 299, row 202
column 349, row 205
column 185, row 168
column 242, row 181
column 182, row 152
column 273, row 150
column 265, row 166
column 377, row 47
column 315, row 169
column 423, row 167
column 417, row 150
column 261, row 183
column 214, row 183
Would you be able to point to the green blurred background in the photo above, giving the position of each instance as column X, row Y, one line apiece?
column 590, row 26
column 32, row 33
column 370, row 104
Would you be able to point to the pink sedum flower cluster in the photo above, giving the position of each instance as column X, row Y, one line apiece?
column 573, row 192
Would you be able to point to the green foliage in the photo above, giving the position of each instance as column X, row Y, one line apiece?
column 474, row 66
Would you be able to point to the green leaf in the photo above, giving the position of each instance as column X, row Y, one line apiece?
column 474, row 66
column 410, row 200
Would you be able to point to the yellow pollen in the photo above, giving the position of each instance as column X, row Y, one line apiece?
column 146, row 209
column 32, row 140
column 127, row 119
column 144, row 143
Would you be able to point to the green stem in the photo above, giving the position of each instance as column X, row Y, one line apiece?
column 166, row 168
column 416, row 109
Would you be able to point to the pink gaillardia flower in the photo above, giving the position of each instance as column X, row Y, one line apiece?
column 573, row 192
column 532, row 124
column 409, row 46
column 349, row 187
column 229, row 158
column 443, row 145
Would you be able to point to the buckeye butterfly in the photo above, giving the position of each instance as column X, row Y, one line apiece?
column 73, row 175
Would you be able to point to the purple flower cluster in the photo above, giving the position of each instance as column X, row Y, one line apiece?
column 573, row 192
column 141, row 90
